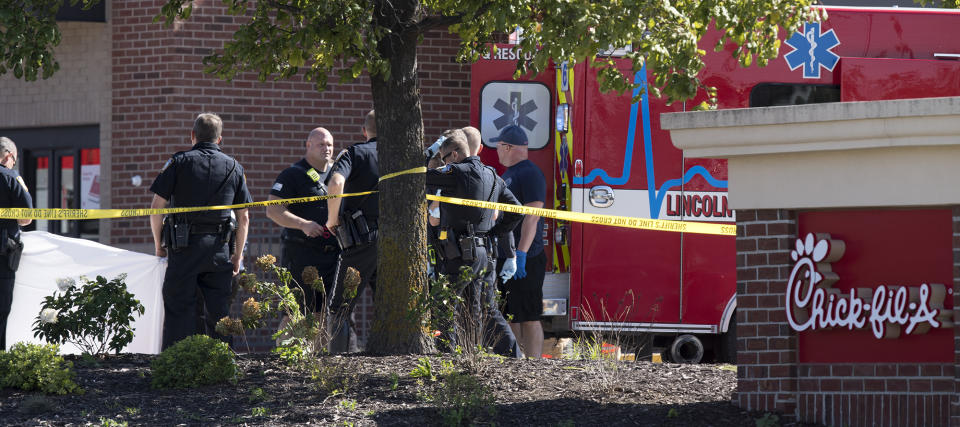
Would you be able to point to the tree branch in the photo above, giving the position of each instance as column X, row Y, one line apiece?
column 431, row 22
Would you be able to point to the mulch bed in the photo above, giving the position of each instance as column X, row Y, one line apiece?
column 381, row 391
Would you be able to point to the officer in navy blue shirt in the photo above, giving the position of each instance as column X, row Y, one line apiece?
column 306, row 241
column 13, row 194
column 354, row 221
column 466, row 233
column 524, row 292
column 199, row 257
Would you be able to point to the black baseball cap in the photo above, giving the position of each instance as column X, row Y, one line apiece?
column 512, row 135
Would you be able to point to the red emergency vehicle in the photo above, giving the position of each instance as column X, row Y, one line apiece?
column 608, row 155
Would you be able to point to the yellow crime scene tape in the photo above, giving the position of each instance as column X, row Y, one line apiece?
column 611, row 220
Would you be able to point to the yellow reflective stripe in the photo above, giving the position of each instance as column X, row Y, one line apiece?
column 613, row 220
column 421, row 169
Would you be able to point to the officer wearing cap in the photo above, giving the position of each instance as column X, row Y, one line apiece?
column 524, row 292
column 354, row 222
column 13, row 194
column 197, row 242
column 465, row 233
column 305, row 241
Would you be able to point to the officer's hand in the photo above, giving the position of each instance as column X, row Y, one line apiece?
column 161, row 252
column 429, row 270
column 331, row 227
column 521, row 265
column 237, row 260
column 509, row 269
column 311, row 229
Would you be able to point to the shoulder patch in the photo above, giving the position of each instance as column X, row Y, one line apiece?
column 22, row 184
column 166, row 165
column 277, row 186
column 341, row 154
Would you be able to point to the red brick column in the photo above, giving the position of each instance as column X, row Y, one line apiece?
column 766, row 360
column 851, row 394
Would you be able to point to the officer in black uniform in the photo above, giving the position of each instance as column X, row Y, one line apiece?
column 466, row 234
column 197, row 242
column 354, row 221
column 13, row 194
column 305, row 241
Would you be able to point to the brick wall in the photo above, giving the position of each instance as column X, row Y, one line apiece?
column 851, row 394
column 159, row 87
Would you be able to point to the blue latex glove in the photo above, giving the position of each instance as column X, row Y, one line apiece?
column 521, row 265
column 429, row 270
column 509, row 269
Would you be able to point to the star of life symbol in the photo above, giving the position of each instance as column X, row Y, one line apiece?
column 515, row 112
column 812, row 50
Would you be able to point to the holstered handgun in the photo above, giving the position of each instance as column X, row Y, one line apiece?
column 346, row 235
column 11, row 248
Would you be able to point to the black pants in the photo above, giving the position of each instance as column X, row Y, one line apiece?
column 297, row 256
column 480, row 295
column 6, row 302
column 203, row 265
column 364, row 260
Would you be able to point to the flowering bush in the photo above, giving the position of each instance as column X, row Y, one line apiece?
column 302, row 332
column 94, row 315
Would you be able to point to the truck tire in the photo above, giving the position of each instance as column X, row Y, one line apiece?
column 686, row 349
column 728, row 343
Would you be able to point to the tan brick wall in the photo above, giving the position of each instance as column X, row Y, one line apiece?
column 78, row 94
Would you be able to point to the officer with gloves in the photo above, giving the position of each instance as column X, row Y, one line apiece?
column 466, row 234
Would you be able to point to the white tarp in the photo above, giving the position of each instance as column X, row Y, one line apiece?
column 48, row 257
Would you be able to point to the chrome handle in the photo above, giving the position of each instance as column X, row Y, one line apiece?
column 601, row 196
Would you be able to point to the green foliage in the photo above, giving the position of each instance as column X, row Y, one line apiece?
column 259, row 411
column 110, row 422
column 301, row 333
column 257, row 395
column 195, row 361
column 768, row 420
column 95, row 315
column 333, row 378
column 426, row 370
column 394, row 381
column 348, row 404
column 37, row 367
column 464, row 400
column 673, row 413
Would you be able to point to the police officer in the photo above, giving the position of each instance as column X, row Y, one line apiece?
column 465, row 233
column 354, row 222
column 13, row 194
column 305, row 241
column 197, row 242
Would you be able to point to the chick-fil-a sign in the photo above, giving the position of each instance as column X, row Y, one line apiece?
column 813, row 304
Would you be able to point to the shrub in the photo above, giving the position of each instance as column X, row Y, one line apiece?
column 195, row 361
column 302, row 332
column 37, row 367
column 95, row 316
column 464, row 400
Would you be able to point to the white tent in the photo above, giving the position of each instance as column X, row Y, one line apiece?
column 48, row 257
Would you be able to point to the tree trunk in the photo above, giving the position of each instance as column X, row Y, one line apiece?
column 402, row 230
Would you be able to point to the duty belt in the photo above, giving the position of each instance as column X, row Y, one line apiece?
column 209, row 228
